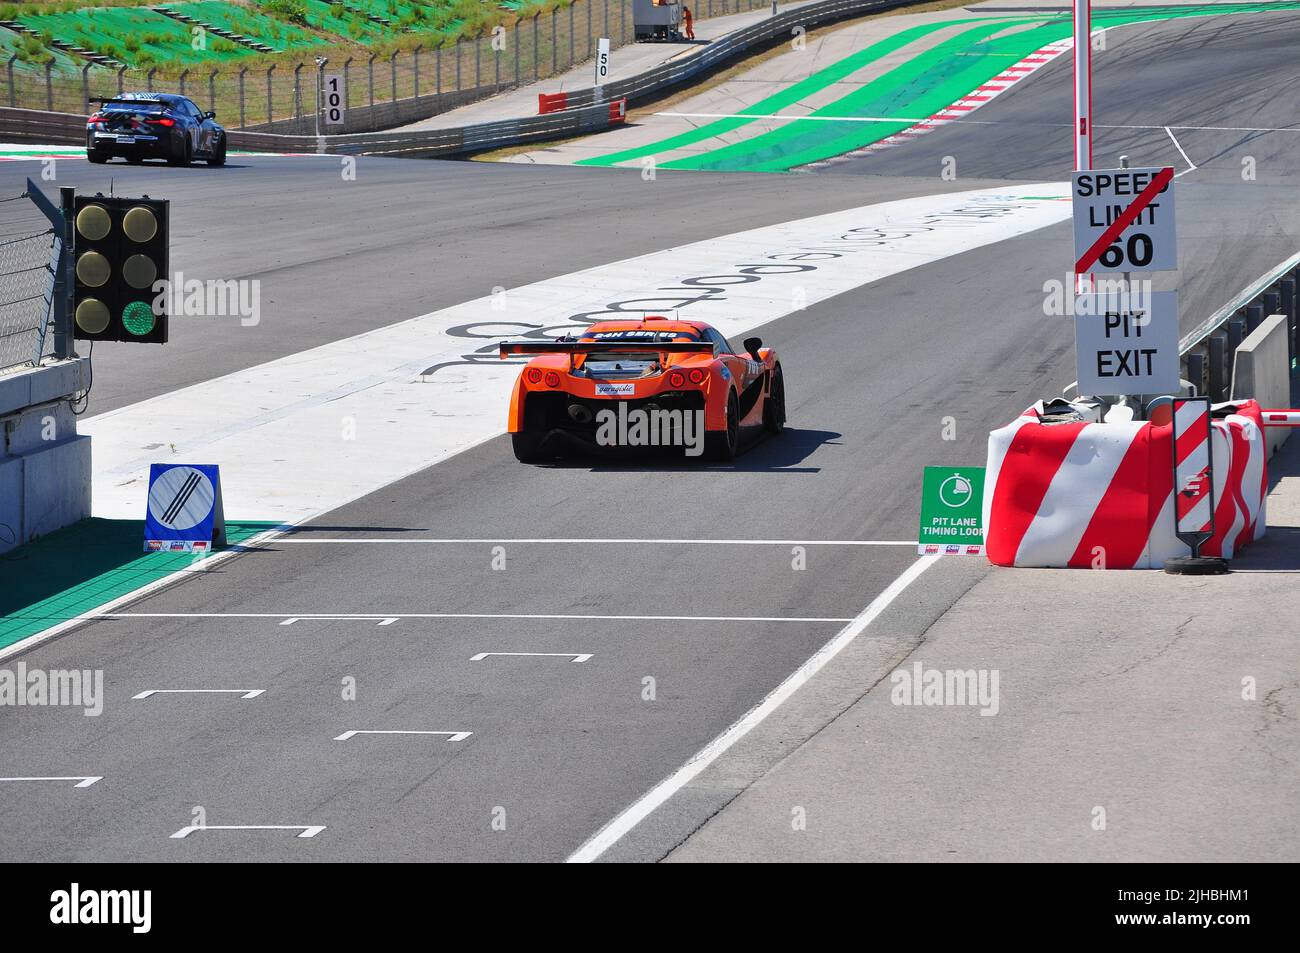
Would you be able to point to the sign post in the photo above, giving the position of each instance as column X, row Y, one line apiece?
column 1126, row 344
column 1124, row 220
column 602, row 65
column 334, row 105
column 1082, row 84
column 952, row 511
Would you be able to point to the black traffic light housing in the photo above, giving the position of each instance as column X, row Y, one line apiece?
column 119, row 251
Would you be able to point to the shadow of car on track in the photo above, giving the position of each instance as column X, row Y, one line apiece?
column 771, row 454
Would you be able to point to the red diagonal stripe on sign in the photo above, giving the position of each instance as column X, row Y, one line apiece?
column 1126, row 218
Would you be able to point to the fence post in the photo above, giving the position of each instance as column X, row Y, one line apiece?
column 1216, row 369
column 416, row 54
column 555, row 41
column 516, row 51
column 269, row 111
column 121, row 73
column 297, row 91
column 497, row 73
column 1289, row 309
column 370, row 69
column 589, row 3
column 606, row 31
column 148, row 78
column 1254, row 317
column 347, row 84
column 571, row 35
column 212, row 91
column 537, row 50
column 49, row 85
column 478, row 61
column 12, row 92
column 242, row 71
column 1196, row 372
column 85, row 85
column 437, row 66
column 392, row 65
column 459, row 41
column 185, row 72
column 622, row 22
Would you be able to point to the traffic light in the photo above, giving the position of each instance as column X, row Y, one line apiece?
column 120, row 250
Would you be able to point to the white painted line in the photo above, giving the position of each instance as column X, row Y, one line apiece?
column 452, row 735
column 383, row 619
column 308, row 830
column 83, row 781
column 1191, row 166
column 646, row 805
column 241, row 692
column 484, row 540
column 472, row 615
column 576, row 656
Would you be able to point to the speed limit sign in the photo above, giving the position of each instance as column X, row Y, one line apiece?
column 333, row 101
column 1124, row 220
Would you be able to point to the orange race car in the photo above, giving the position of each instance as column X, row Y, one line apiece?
column 649, row 383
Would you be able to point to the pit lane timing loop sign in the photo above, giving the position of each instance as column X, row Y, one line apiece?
column 952, row 511
column 1124, row 221
column 184, row 513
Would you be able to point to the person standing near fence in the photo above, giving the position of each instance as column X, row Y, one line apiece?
column 687, row 23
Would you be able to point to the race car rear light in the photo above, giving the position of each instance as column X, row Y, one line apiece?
column 552, row 379
column 534, row 375
column 164, row 121
column 95, row 121
column 676, row 379
column 696, row 376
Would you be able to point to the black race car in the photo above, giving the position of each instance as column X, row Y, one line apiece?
column 140, row 126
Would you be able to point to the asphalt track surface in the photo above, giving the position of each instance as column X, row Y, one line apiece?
column 558, row 748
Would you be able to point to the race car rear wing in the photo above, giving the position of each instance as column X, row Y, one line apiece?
column 605, row 347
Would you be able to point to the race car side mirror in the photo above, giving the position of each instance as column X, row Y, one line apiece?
column 752, row 345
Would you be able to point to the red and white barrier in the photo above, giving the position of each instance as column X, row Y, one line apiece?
column 1102, row 495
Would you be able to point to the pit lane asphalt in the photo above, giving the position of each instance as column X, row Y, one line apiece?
column 562, row 747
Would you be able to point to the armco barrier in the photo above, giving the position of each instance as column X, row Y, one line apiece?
column 1101, row 495
column 62, row 128
column 584, row 112
column 1209, row 352
column 552, row 103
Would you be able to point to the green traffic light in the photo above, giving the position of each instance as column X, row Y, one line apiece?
column 138, row 318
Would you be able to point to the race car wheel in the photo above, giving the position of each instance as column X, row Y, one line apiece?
column 185, row 157
column 97, row 157
column 774, row 409
column 219, row 155
column 528, row 446
column 721, row 444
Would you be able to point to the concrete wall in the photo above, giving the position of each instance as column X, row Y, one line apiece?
column 44, row 462
column 1262, row 370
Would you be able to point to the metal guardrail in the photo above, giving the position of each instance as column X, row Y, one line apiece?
column 588, row 112
column 1208, row 351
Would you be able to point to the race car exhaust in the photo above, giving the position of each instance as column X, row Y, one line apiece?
column 580, row 414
